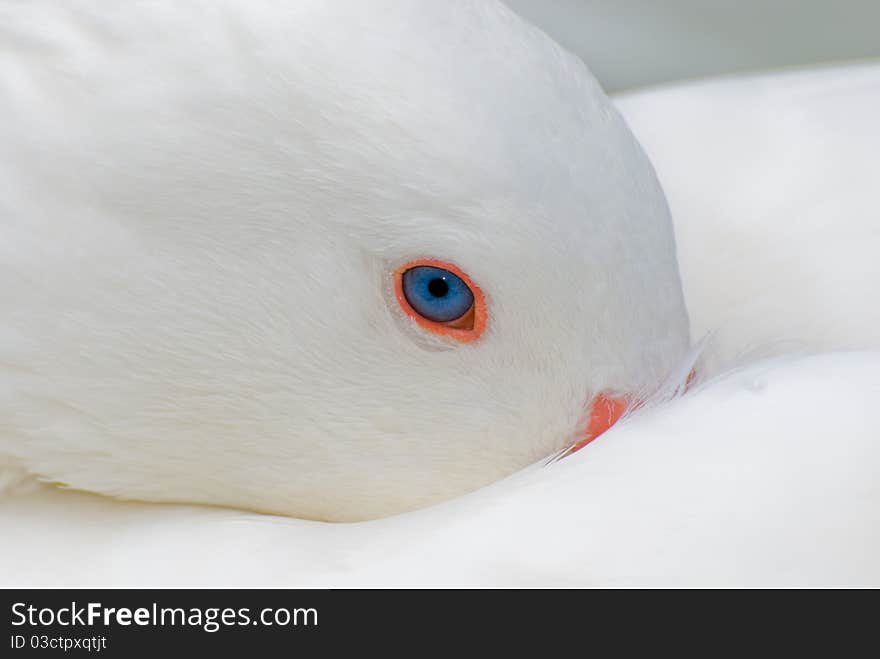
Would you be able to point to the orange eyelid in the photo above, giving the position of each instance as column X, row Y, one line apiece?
column 465, row 329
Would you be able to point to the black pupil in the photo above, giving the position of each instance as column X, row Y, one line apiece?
column 438, row 287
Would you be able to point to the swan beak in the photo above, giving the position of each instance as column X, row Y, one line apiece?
column 606, row 411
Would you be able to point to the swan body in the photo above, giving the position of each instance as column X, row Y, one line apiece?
column 772, row 183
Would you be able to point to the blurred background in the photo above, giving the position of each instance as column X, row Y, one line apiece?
column 632, row 43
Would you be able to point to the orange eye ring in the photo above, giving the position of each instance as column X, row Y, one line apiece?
column 467, row 327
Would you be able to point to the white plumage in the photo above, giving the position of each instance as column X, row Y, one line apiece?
column 203, row 204
column 772, row 180
column 764, row 476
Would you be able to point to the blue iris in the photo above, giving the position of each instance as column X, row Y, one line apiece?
column 437, row 294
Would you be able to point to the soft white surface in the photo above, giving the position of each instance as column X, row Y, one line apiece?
column 772, row 181
column 766, row 477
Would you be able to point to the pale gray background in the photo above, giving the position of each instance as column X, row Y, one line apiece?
column 630, row 43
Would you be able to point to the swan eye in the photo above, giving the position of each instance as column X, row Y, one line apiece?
column 437, row 294
column 441, row 298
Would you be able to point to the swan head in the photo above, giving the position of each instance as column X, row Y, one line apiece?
column 322, row 259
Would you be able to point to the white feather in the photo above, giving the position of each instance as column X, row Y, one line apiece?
column 772, row 180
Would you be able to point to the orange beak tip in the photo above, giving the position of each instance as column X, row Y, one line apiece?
column 606, row 411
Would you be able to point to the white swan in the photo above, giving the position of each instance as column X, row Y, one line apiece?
column 764, row 476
